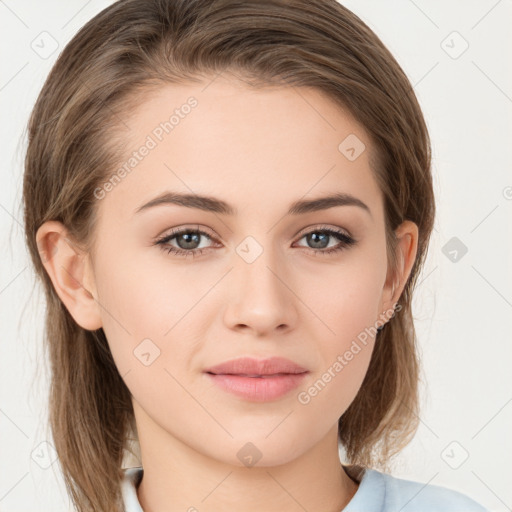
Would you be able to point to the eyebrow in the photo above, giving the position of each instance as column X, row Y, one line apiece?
column 212, row 204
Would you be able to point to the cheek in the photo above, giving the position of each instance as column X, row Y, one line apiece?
column 348, row 307
column 347, row 298
column 130, row 307
column 149, row 305
column 345, row 355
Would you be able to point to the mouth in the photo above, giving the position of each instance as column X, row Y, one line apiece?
column 257, row 380
column 251, row 367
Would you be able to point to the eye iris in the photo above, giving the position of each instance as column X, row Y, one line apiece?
column 190, row 238
column 314, row 237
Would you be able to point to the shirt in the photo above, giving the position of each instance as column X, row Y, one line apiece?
column 377, row 492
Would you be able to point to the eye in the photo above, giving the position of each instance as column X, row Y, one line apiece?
column 189, row 241
column 319, row 238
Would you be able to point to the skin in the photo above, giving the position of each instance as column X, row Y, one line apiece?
column 258, row 150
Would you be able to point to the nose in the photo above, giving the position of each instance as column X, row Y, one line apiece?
column 261, row 297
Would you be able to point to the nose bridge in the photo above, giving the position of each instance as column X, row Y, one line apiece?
column 260, row 298
column 259, row 266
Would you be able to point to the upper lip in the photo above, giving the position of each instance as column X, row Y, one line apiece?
column 250, row 366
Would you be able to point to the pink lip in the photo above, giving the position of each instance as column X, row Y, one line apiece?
column 271, row 378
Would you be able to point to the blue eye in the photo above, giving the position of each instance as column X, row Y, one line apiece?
column 192, row 237
column 189, row 236
column 319, row 236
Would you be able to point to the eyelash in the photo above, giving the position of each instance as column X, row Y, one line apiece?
column 345, row 242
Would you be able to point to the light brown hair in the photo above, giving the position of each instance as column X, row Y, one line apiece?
column 75, row 142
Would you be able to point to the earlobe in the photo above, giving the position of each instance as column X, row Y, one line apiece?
column 69, row 270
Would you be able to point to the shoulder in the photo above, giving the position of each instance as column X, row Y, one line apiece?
column 408, row 496
column 382, row 492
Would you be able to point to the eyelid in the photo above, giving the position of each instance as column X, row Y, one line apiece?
column 178, row 230
column 320, row 227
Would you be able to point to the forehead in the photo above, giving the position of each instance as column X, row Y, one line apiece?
column 253, row 147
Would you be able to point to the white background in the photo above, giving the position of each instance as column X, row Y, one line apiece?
column 462, row 309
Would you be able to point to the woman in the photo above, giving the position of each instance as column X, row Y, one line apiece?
column 229, row 204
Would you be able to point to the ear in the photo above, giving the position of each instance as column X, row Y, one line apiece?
column 407, row 247
column 70, row 272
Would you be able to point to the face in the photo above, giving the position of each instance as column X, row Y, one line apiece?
column 255, row 282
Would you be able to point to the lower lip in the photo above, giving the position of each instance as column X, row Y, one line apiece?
column 258, row 389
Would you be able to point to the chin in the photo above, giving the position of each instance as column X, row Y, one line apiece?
column 262, row 450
